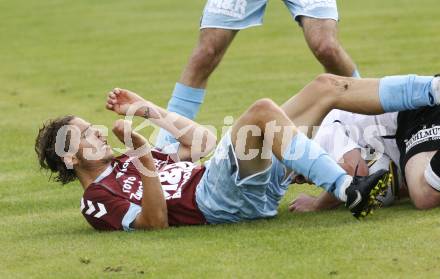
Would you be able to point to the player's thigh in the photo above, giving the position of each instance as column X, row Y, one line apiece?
column 326, row 92
column 216, row 40
column 332, row 91
column 420, row 192
column 248, row 140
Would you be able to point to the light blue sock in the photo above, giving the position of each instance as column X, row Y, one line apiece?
column 309, row 159
column 185, row 101
column 408, row 92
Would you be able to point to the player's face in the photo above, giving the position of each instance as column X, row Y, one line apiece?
column 93, row 146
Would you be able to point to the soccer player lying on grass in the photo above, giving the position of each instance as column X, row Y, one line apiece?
column 410, row 139
column 232, row 186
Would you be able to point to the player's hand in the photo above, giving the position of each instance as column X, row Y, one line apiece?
column 122, row 130
column 303, row 203
column 120, row 100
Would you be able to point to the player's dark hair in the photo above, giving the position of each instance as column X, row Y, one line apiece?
column 45, row 148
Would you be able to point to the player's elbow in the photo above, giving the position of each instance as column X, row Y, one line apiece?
column 160, row 226
column 159, row 221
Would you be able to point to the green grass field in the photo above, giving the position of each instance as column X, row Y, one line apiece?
column 61, row 57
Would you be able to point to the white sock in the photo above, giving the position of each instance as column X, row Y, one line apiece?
column 341, row 194
column 432, row 178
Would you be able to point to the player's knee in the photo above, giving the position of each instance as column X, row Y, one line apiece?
column 425, row 202
column 325, row 86
column 424, row 197
column 326, row 50
column 206, row 55
column 263, row 107
column 324, row 80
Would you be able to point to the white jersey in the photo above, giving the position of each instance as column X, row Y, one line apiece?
column 342, row 131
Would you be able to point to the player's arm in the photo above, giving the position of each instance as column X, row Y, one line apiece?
column 308, row 203
column 353, row 164
column 154, row 213
column 195, row 140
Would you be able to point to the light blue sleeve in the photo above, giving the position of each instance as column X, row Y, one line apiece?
column 130, row 216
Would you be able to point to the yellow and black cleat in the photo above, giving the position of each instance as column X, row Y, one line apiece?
column 363, row 192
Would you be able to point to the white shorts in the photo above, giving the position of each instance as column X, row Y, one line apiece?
column 342, row 131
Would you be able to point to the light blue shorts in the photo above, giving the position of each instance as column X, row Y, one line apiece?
column 241, row 14
column 224, row 197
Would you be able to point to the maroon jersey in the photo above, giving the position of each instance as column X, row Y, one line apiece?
column 113, row 201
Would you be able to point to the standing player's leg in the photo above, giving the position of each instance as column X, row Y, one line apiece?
column 212, row 45
column 319, row 21
column 189, row 92
column 221, row 21
column 321, row 37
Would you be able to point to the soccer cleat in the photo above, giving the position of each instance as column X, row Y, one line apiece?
column 392, row 193
column 363, row 192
